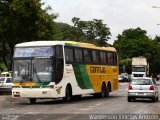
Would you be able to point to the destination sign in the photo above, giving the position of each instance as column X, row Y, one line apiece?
column 34, row 52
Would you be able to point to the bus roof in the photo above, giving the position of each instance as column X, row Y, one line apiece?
column 67, row 43
column 40, row 43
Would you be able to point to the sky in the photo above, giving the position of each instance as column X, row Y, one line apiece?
column 119, row 15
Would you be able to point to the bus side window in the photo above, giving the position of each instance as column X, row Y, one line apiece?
column 87, row 56
column 115, row 58
column 78, row 55
column 69, row 55
column 102, row 57
column 59, row 64
column 95, row 56
column 109, row 57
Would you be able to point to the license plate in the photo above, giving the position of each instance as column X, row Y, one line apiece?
column 140, row 93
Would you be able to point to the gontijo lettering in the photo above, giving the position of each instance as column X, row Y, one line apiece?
column 95, row 69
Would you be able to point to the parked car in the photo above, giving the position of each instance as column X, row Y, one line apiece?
column 123, row 77
column 5, row 84
column 144, row 87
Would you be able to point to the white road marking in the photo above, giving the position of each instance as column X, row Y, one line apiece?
column 85, row 109
column 11, row 109
column 91, row 107
column 33, row 113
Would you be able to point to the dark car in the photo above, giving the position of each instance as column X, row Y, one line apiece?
column 123, row 78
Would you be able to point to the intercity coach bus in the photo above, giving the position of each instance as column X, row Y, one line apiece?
column 63, row 69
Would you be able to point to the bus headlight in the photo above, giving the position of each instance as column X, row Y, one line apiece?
column 46, row 92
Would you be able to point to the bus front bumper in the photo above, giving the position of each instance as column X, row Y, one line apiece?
column 35, row 93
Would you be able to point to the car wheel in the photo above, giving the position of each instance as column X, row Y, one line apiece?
column 32, row 100
column 134, row 99
column 157, row 98
column 129, row 99
column 154, row 99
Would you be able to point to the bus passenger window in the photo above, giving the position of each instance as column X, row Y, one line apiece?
column 87, row 56
column 69, row 55
column 102, row 57
column 115, row 58
column 78, row 55
column 109, row 57
column 95, row 56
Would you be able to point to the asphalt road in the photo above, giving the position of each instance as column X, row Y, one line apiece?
column 114, row 107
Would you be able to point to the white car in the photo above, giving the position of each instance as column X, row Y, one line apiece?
column 5, row 84
column 144, row 87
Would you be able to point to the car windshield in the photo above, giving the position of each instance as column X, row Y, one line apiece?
column 124, row 74
column 141, row 82
column 2, row 79
column 121, row 76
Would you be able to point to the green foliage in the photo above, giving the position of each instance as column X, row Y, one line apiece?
column 64, row 32
column 131, row 44
column 134, row 43
column 21, row 21
column 94, row 32
column 127, row 63
column 157, row 39
column 3, row 67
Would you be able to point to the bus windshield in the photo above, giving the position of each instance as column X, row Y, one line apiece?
column 36, row 70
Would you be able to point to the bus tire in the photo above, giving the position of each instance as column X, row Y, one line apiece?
column 103, row 90
column 32, row 100
column 108, row 90
column 68, row 94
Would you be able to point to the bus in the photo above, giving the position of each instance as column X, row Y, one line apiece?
column 63, row 69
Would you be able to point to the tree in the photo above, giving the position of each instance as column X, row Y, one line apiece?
column 64, row 32
column 128, row 65
column 134, row 43
column 23, row 20
column 94, row 32
column 157, row 39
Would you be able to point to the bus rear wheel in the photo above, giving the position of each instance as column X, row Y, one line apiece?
column 108, row 90
column 103, row 91
column 32, row 100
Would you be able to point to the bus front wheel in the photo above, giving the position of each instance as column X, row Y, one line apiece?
column 32, row 100
column 68, row 95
